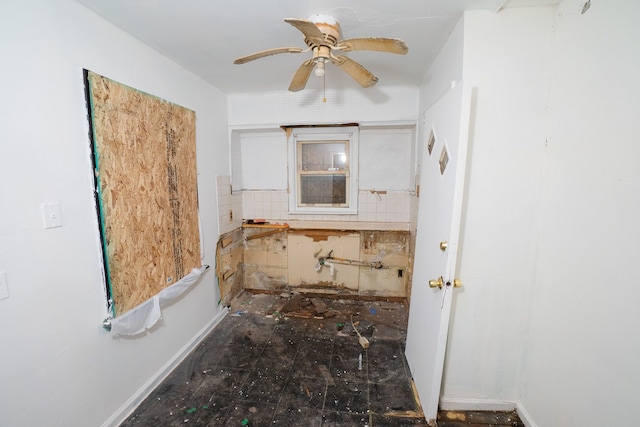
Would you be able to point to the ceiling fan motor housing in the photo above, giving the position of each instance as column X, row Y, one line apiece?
column 329, row 27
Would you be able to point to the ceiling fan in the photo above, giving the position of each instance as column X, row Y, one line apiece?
column 324, row 39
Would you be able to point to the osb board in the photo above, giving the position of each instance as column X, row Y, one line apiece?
column 145, row 155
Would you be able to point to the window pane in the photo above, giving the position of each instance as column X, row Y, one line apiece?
column 323, row 189
column 323, row 156
column 323, row 170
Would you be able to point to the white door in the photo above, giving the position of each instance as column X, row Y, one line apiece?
column 440, row 210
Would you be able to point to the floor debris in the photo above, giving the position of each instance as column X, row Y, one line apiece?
column 283, row 370
column 364, row 342
column 479, row 419
column 266, row 366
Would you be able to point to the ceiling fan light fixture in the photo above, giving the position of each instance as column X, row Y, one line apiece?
column 319, row 71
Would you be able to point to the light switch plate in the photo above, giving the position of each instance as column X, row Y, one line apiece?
column 4, row 290
column 52, row 215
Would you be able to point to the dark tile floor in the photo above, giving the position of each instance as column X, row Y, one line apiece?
column 291, row 360
column 295, row 360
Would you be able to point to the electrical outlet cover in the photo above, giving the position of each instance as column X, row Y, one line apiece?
column 51, row 215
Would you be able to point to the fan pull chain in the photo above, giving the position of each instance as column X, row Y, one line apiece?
column 324, row 88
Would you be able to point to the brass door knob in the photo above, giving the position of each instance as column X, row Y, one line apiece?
column 443, row 246
column 457, row 283
column 437, row 283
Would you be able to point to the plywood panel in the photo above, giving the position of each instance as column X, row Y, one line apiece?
column 145, row 157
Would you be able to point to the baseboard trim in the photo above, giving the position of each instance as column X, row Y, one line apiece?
column 452, row 404
column 132, row 403
column 524, row 415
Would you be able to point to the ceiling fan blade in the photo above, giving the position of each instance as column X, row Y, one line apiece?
column 373, row 43
column 301, row 76
column 267, row 52
column 355, row 70
column 309, row 29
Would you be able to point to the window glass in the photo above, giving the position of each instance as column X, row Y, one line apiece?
column 323, row 173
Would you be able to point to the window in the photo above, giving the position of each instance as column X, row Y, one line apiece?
column 323, row 170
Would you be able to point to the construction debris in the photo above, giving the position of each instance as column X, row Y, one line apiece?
column 364, row 342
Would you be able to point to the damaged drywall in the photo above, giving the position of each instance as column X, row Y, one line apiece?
column 265, row 258
column 229, row 265
column 371, row 263
column 391, row 249
column 306, row 271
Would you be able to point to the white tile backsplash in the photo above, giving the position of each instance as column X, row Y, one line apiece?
column 372, row 207
column 397, row 207
column 229, row 206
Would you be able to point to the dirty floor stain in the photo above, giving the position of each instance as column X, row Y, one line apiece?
column 296, row 360
column 479, row 419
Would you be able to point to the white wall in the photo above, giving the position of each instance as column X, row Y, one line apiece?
column 58, row 366
column 387, row 116
column 385, row 158
column 583, row 364
column 548, row 311
column 505, row 61
column 263, row 160
column 446, row 67
column 378, row 104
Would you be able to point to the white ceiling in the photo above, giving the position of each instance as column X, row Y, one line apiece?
column 205, row 36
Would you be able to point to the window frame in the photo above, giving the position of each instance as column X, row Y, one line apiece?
column 342, row 134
